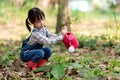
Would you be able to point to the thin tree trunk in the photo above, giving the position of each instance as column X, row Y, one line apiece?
column 63, row 17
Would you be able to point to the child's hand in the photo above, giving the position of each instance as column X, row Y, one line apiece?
column 64, row 30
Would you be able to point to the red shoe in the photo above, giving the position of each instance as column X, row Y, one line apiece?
column 31, row 65
column 41, row 62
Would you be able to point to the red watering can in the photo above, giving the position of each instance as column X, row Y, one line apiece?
column 70, row 41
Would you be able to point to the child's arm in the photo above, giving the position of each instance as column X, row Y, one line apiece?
column 63, row 31
column 44, row 40
column 37, row 37
column 50, row 34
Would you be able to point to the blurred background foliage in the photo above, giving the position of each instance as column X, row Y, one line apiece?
column 83, row 13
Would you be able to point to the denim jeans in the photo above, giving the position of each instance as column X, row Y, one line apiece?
column 36, row 54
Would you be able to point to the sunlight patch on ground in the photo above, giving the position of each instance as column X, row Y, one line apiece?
column 94, row 27
column 12, row 30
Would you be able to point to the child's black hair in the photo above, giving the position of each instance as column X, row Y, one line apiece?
column 33, row 14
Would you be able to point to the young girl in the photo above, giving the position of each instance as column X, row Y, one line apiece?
column 33, row 52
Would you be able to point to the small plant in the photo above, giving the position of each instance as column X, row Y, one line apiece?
column 92, row 43
column 88, row 41
column 82, row 40
column 58, row 71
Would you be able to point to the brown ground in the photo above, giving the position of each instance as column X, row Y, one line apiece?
column 13, row 30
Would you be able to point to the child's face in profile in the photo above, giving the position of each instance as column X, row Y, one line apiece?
column 39, row 23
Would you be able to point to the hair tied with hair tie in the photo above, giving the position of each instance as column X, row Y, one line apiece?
column 28, row 24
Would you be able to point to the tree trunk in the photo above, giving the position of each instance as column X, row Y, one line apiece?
column 63, row 17
column 18, row 3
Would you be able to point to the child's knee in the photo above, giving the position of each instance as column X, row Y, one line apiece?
column 48, row 50
column 40, row 53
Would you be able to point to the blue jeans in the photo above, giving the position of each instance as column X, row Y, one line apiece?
column 36, row 54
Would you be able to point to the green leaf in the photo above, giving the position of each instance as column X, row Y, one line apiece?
column 58, row 71
column 76, row 65
column 42, row 68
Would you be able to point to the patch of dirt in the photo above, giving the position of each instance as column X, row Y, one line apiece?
column 13, row 30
